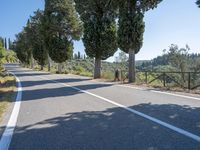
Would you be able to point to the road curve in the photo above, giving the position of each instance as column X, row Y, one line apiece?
column 75, row 113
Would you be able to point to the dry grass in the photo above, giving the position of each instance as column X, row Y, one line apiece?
column 7, row 88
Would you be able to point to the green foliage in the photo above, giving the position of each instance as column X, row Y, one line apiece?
column 100, row 38
column 11, row 45
column 131, row 24
column 10, row 56
column 37, row 38
column 99, row 27
column 141, row 5
column 175, row 59
column 5, row 44
column 79, row 55
column 62, row 25
column 131, row 30
column 198, row 3
column 21, row 48
column 6, row 56
column 2, row 54
column 2, row 42
column 122, row 61
column 178, row 58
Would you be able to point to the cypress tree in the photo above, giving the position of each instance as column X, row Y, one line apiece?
column 39, row 52
column 5, row 44
column 10, row 44
column 79, row 55
column 29, row 40
column 131, row 28
column 21, row 48
column 100, row 31
column 62, row 26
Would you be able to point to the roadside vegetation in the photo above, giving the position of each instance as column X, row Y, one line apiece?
column 7, row 88
column 7, row 83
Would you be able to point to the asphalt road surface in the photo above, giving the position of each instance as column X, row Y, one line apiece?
column 67, row 112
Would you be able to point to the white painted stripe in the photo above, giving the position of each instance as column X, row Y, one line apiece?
column 167, row 125
column 177, row 95
column 8, row 133
column 137, row 88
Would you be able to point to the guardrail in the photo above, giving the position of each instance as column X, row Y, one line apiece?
column 186, row 80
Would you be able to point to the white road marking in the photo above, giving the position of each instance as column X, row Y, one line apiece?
column 154, row 91
column 167, row 125
column 137, row 88
column 8, row 133
column 177, row 95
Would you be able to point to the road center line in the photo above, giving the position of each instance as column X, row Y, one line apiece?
column 167, row 125
column 8, row 133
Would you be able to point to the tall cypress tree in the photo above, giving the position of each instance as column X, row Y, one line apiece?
column 29, row 39
column 39, row 52
column 5, row 43
column 131, row 28
column 10, row 44
column 21, row 47
column 100, row 31
column 79, row 55
column 62, row 26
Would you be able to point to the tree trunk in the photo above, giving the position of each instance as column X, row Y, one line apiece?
column 60, row 68
column 32, row 61
column 42, row 67
column 49, row 63
column 97, row 68
column 131, row 73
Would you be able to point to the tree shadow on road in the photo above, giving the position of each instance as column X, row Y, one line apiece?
column 110, row 129
column 45, row 82
column 56, row 92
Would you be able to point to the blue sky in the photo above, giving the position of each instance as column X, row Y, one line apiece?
column 174, row 21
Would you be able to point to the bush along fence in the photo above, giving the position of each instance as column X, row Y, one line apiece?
column 186, row 80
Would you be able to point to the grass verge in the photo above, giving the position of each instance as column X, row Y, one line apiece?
column 7, row 88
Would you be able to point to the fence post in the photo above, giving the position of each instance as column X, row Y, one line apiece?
column 146, row 80
column 164, row 79
column 189, row 80
column 121, row 76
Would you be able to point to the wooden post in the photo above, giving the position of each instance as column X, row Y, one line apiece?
column 164, row 79
column 121, row 77
column 189, row 80
column 146, row 80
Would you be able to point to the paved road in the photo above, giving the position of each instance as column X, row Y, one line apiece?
column 75, row 113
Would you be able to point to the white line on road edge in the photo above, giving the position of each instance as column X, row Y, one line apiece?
column 177, row 95
column 154, row 91
column 8, row 133
column 167, row 125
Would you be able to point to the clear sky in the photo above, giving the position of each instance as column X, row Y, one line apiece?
column 174, row 21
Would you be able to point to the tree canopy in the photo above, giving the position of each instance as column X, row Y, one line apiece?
column 198, row 3
column 62, row 26
column 21, row 47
